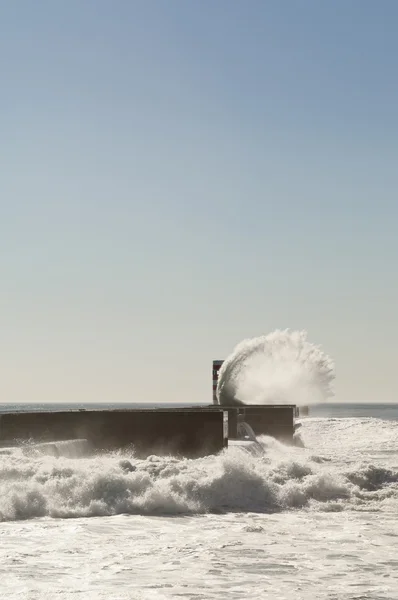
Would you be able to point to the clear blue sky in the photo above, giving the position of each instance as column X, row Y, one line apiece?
column 178, row 175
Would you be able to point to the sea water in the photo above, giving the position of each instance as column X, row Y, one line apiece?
column 305, row 523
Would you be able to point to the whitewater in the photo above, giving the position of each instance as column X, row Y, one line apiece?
column 310, row 523
column 313, row 522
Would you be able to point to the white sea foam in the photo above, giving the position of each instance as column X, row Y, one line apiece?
column 280, row 368
column 313, row 523
column 282, row 478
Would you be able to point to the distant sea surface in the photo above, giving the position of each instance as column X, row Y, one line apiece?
column 387, row 412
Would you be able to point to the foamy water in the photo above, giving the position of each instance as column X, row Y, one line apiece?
column 313, row 522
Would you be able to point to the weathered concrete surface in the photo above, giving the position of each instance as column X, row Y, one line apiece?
column 271, row 419
column 276, row 420
column 189, row 433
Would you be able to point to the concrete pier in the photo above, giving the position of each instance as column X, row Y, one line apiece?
column 271, row 419
column 189, row 433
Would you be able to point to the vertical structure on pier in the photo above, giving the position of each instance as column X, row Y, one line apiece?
column 216, row 367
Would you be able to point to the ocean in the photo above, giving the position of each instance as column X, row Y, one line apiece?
column 318, row 522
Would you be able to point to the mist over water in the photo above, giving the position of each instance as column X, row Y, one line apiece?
column 282, row 367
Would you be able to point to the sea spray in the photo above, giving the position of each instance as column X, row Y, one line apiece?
column 280, row 368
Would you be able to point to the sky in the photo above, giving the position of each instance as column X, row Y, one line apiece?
column 177, row 176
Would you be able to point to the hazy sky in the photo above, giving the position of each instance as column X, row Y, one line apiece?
column 177, row 175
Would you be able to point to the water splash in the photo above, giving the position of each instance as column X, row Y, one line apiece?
column 279, row 368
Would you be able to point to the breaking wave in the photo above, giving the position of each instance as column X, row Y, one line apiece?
column 279, row 368
column 280, row 478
